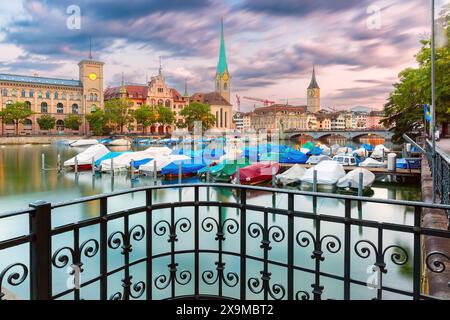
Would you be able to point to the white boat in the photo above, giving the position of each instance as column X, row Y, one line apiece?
column 317, row 159
column 345, row 160
column 161, row 162
column 119, row 142
column 291, row 175
column 380, row 152
column 372, row 163
column 122, row 162
column 68, row 142
column 325, row 149
column 85, row 158
column 84, row 142
column 351, row 179
column 159, row 151
column 328, row 172
column 344, row 150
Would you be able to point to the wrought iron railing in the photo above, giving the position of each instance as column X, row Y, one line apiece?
column 442, row 181
column 184, row 273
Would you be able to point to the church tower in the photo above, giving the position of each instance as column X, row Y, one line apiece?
column 223, row 77
column 313, row 92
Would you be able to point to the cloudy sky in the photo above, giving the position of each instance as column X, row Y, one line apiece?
column 357, row 46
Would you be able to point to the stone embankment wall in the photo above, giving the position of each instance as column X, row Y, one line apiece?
column 438, row 284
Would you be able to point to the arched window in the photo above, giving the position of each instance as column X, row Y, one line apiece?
column 225, row 86
column 160, row 102
column 40, row 94
column 47, row 95
column 23, row 93
column 55, row 96
column 59, row 125
column 14, row 93
column 71, row 96
column 59, row 108
column 28, row 104
column 79, row 96
column 63, row 96
column 91, row 97
column 75, row 108
column 44, row 107
column 31, row 93
column 95, row 97
column 168, row 103
column 5, row 92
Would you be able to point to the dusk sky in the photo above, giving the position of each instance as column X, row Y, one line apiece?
column 271, row 45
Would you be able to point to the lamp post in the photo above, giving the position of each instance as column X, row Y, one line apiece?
column 433, row 106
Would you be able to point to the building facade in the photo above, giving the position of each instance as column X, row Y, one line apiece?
column 374, row 120
column 55, row 97
column 220, row 108
column 155, row 93
column 272, row 117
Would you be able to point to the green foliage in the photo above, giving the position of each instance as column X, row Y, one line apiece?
column 72, row 122
column 404, row 111
column 164, row 115
column 97, row 122
column 118, row 113
column 15, row 114
column 198, row 112
column 46, row 122
column 145, row 116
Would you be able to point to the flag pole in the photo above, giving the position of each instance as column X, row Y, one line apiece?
column 433, row 105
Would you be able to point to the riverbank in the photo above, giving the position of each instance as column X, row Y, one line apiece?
column 21, row 140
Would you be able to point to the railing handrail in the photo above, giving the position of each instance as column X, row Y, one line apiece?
column 439, row 151
column 236, row 186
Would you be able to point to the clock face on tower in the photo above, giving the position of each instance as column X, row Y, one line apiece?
column 92, row 76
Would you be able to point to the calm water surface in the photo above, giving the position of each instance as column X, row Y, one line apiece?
column 22, row 182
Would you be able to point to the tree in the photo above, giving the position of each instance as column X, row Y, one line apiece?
column 145, row 116
column 97, row 122
column 16, row 113
column 165, row 116
column 118, row 112
column 46, row 122
column 72, row 122
column 404, row 109
column 198, row 112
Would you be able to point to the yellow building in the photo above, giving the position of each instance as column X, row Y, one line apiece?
column 55, row 97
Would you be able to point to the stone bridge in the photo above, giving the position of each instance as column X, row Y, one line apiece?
column 348, row 134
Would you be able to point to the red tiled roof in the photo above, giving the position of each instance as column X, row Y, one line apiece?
column 211, row 98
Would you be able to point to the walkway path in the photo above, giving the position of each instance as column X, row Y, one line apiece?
column 444, row 144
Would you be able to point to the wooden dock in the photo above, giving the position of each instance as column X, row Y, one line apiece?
column 410, row 173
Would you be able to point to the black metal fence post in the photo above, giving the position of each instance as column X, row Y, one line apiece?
column 417, row 272
column 290, row 244
column 347, row 261
column 104, row 248
column 243, row 243
column 40, row 251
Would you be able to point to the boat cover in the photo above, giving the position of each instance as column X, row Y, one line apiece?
column 96, row 151
column 109, row 156
column 161, row 162
column 84, row 142
column 291, row 175
column 187, row 167
column 318, row 159
column 351, row 179
column 293, row 157
column 328, row 172
column 369, row 162
column 258, row 172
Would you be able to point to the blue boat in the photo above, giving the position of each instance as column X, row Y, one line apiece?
column 188, row 168
column 293, row 157
column 366, row 146
column 316, row 151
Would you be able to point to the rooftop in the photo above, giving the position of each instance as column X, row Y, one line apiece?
column 40, row 80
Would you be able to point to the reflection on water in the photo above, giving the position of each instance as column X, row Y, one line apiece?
column 23, row 182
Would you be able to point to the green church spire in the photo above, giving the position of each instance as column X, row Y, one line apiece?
column 222, row 66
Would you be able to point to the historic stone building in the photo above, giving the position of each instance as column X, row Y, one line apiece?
column 55, row 97
column 155, row 93
column 313, row 94
column 272, row 117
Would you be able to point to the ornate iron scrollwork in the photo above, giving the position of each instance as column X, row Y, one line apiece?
column 434, row 264
column 231, row 279
column 15, row 278
column 89, row 249
column 399, row 257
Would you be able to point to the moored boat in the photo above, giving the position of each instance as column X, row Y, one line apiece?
column 328, row 172
column 84, row 142
column 291, row 176
column 119, row 142
column 85, row 158
column 257, row 173
column 225, row 173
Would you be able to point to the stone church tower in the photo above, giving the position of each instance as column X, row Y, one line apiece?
column 223, row 77
column 313, row 92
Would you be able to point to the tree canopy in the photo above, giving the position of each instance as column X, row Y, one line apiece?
column 118, row 112
column 404, row 109
column 198, row 112
column 145, row 116
column 16, row 113
column 164, row 115
column 72, row 122
column 46, row 122
column 97, row 122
